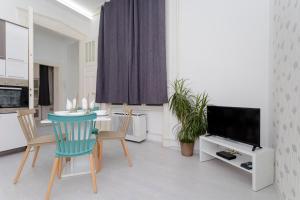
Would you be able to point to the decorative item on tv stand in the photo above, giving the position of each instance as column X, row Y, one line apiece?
column 190, row 111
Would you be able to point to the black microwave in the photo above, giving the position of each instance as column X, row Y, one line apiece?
column 13, row 96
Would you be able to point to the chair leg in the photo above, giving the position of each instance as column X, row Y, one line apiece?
column 25, row 156
column 100, row 151
column 37, row 149
column 125, row 148
column 59, row 167
column 93, row 174
column 53, row 173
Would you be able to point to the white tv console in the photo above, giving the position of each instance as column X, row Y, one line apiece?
column 262, row 159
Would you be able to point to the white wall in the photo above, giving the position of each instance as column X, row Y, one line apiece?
column 286, row 96
column 56, row 50
column 49, row 47
column 224, row 50
column 71, row 70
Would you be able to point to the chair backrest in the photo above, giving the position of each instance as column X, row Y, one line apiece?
column 27, row 123
column 72, row 133
column 126, row 120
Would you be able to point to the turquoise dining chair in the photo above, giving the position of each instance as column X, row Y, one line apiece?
column 78, row 141
column 94, row 130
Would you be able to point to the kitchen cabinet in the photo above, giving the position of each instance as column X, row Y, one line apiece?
column 16, row 51
column 16, row 69
column 2, row 39
column 11, row 135
column 16, row 43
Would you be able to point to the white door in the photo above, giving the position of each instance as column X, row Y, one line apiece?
column 90, row 68
column 16, row 43
column 16, row 69
column 2, row 67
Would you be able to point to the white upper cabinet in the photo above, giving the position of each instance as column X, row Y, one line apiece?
column 16, row 69
column 16, row 51
column 16, row 43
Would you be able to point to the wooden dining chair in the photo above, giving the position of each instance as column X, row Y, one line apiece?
column 78, row 141
column 28, row 126
column 116, row 135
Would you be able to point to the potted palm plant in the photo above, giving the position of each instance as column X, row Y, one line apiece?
column 190, row 111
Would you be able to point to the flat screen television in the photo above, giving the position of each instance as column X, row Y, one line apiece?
column 239, row 124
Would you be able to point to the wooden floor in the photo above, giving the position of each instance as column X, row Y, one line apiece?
column 157, row 173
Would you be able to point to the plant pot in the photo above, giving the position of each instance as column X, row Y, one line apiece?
column 187, row 149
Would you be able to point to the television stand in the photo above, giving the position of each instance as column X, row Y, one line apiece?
column 262, row 159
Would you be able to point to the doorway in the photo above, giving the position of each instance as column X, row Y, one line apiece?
column 44, row 90
column 60, row 54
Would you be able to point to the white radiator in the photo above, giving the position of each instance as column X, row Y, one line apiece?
column 137, row 130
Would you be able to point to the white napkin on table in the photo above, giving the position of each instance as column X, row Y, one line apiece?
column 92, row 104
column 84, row 104
column 74, row 103
column 69, row 105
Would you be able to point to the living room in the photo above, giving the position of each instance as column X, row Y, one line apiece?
column 197, row 78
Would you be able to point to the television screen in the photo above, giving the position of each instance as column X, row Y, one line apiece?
column 240, row 124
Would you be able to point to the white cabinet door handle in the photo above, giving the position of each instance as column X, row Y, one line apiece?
column 14, row 76
column 20, row 60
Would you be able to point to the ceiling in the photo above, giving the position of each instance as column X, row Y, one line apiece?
column 92, row 6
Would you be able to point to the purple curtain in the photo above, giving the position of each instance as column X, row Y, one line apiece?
column 132, row 53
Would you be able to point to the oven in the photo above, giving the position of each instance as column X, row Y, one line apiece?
column 13, row 97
